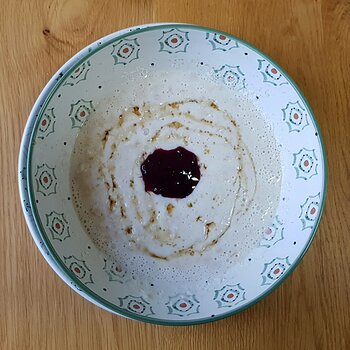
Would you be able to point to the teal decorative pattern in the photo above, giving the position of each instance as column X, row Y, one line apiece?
column 273, row 234
column 229, row 295
column 47, row 124
column 80, row 112
column 309, row 211
column 137, row 305
column 221, row 42
column 270, row 74
column 79, row 268
column 232, row 76
column 114, row 271
column 295, row 116
column 183, row 305
column 274, row 270
column 75, row 286
column 125, row 51
column 305, row 163
column 174, row 41
column 79, row 74
column 110, row 68
column 46, row 180
column 57, row 225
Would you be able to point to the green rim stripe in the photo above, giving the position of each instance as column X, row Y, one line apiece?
column 82, row 286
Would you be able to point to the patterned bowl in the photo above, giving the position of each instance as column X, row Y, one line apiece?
column 69, row 99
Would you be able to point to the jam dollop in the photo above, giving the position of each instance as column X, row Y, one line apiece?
column 171, row 173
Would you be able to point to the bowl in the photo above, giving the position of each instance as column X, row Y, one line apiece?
column 94, row 76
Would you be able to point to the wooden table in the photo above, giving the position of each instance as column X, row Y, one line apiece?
column 311, row 40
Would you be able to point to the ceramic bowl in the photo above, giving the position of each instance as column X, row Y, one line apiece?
column 65, row 105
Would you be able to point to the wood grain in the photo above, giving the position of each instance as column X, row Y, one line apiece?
column 311, row 40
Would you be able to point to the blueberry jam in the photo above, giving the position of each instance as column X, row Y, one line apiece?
column 171, row 173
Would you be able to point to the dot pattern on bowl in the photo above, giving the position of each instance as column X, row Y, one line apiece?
column 46, row 180
column 229, row 295
column 80, row 112
column 125, row 51
column 295, row 116
column 232, row 76
column 273, row 234
column 274, row 269
column 183, row 305
column 310, row 211
column 78, row 75
column 136, row 305
column 79, row 268
column 221, row 42
column 174, row 41
column 57, row 225
column 270, row 74
column 114, row 271
column 47, row 124
column 305, row 163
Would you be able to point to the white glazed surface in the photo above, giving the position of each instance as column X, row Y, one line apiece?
column 301, row 193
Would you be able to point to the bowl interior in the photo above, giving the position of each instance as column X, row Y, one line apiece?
column 242, row 68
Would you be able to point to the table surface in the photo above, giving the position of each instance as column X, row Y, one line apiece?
column 311, row 40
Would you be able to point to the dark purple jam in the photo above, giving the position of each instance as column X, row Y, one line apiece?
column 173, row 174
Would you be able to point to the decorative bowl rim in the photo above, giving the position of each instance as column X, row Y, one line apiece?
column 38, row 109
